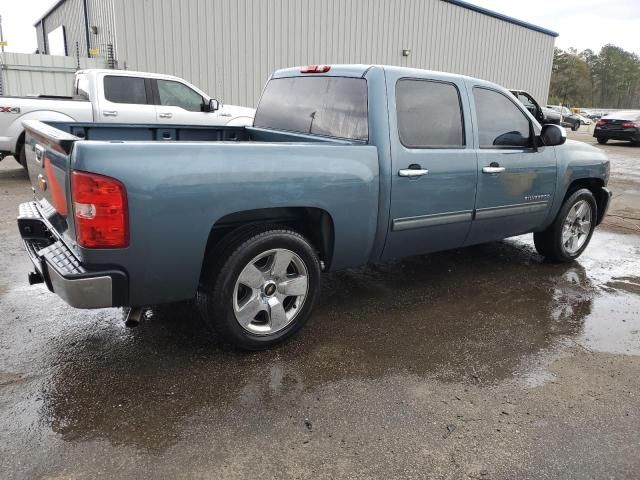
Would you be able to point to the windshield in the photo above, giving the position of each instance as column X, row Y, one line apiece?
column 329, row 106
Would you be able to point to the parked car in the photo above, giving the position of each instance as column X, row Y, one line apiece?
column 116, row 96
column 584, row 120
column 618, row 126
column 595, row 115
column 568, row 118
column 344, row 165
column 543, row 115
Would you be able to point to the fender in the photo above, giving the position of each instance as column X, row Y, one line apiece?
column 576, row 161
column 16, row 128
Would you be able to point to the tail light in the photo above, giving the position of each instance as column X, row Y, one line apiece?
column 600, row 122
column 316, row 69
column 631, row 124
column 100, row 211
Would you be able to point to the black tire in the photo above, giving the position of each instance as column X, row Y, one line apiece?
column 575, row 127
column 22, row 157
column 602, row 140
column 222, row 270
column 549, row 243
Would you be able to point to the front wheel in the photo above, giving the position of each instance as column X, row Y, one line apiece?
column 571, row 231
column 575, row 127
column 602, row 140
column 262, row 288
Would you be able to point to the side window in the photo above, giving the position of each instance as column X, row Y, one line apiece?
column 125, row 89
column 82, row 87
column 429, row 114
column 525, row 100
column 500, row 122
column 177, row 94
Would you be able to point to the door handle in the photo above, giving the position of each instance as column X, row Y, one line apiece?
column 493, row 169
column 412, row 172
column 110, row 113
column 165, row 115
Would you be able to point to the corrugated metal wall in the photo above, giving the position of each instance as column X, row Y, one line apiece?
column 27, row 74
column 70, row 13
column 101, row 15
column 229, row 47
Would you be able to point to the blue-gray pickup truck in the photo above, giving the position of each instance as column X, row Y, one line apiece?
column 344, row 165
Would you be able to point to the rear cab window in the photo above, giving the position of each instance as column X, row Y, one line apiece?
column 81, row 87
column 328, row 106
column 120, row 89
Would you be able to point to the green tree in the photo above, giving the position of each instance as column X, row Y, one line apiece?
column 571, row 82
column 609, row 79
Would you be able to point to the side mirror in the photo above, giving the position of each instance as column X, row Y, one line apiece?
column 213, row 105
column 552, row 135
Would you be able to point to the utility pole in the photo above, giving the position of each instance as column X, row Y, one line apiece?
column 2, row 84
column 1, row 35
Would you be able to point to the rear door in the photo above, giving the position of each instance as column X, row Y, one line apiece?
column 125, row 99
column 434, row 171
column 516, row 180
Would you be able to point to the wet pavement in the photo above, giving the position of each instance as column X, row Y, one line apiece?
column 480, row 363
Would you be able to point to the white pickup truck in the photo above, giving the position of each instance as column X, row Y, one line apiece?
column 116, row 96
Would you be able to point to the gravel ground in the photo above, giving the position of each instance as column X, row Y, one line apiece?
column 481, row 363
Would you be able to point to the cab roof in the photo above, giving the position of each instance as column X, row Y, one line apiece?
column 356, row 70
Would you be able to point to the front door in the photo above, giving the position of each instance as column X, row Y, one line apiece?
column 434, row 170
column 179, row 104
column 516, row 180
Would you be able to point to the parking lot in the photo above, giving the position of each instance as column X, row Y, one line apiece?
column 477, row 363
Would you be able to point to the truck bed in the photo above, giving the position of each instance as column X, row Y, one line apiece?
column 178, row 133
column 196, row 180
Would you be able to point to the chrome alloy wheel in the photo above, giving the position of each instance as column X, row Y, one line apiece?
column 576, row 227
column 270, row 291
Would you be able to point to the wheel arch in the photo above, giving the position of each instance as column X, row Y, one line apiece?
column 595, row 186
column 16, row 130
column 315, row 224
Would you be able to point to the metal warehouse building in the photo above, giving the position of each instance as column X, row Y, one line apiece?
column 229, row 47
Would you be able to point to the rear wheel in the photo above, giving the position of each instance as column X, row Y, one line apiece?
column 571, row 231
column 575, row 126
column 22, row 157
column 602, row 140
column 262, row 287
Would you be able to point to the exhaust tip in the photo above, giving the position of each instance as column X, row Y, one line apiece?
column 133, row 317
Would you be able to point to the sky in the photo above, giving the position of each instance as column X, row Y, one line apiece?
column 581, row 23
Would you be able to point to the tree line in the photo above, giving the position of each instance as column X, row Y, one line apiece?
column 609, row 79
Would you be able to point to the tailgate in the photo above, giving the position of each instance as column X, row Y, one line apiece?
column 48, row 153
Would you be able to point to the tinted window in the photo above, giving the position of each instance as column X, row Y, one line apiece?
column 125, row 89
column 429, row 114
column 500, row 122
column 179, row 95
column 331, row 106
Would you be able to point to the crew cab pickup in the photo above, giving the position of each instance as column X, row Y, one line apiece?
column 344, row 165
column 116, row 96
